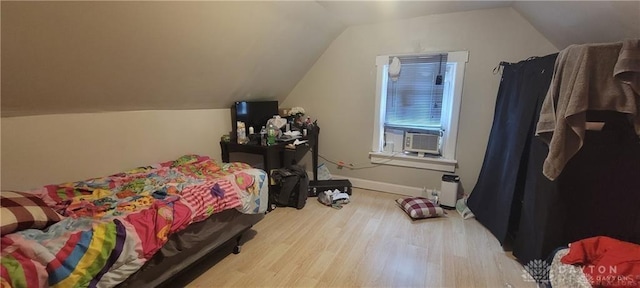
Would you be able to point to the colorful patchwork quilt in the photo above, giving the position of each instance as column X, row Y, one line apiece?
column 113, row 225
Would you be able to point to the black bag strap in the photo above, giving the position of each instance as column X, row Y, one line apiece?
column 298, row 170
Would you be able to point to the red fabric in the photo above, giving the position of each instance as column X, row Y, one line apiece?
column 607, row 262
column 153, row 226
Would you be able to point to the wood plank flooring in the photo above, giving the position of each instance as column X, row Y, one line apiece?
column 368, row 243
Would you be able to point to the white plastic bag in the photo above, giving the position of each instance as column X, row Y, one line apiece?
column 323, row 172
column 461, row 207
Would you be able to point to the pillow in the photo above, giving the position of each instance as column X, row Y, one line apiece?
column 19, row 211
column 420, row 207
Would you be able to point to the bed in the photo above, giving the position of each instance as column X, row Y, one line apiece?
column 139, row 227
column 596, row 262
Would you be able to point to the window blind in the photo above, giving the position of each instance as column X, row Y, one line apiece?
column 414, row 100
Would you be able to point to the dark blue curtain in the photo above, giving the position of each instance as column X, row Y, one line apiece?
column 497, row 198
column 598, row 192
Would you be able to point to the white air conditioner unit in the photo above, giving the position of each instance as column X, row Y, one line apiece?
column 422, row 143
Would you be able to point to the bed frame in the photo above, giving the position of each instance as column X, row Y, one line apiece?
column 197, row 242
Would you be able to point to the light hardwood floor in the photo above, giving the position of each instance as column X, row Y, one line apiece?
column 368, row 243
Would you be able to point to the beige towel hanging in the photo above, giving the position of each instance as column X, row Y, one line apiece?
column 587, row 77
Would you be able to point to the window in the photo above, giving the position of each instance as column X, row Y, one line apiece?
column 418, row 98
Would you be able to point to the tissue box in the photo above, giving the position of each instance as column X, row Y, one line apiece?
column 315, row 187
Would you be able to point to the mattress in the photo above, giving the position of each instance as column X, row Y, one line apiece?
column 114, row 225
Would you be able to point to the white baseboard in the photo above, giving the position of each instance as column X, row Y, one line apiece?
column 379, row 186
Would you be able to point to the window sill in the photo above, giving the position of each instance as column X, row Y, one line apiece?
column 400, row 159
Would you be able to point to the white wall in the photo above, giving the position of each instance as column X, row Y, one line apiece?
column 50, row 149
column 340, row 88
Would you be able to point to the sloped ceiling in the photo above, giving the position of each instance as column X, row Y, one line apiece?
column 578, row 22
column 368, row 12
column 70, row 57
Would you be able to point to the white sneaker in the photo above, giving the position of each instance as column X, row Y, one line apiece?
column 340, row 196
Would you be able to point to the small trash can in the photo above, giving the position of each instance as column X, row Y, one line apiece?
column 449, row 190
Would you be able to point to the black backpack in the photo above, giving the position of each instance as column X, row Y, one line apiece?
column 291, row 187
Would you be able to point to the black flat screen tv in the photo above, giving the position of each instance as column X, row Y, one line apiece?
column 253, row 113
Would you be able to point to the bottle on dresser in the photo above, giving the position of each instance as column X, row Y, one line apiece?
column 263, row 136
column 271, row 134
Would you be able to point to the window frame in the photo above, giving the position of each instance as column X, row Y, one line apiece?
column 450, row 119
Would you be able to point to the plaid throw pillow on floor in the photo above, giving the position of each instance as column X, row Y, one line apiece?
column 419, row 207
